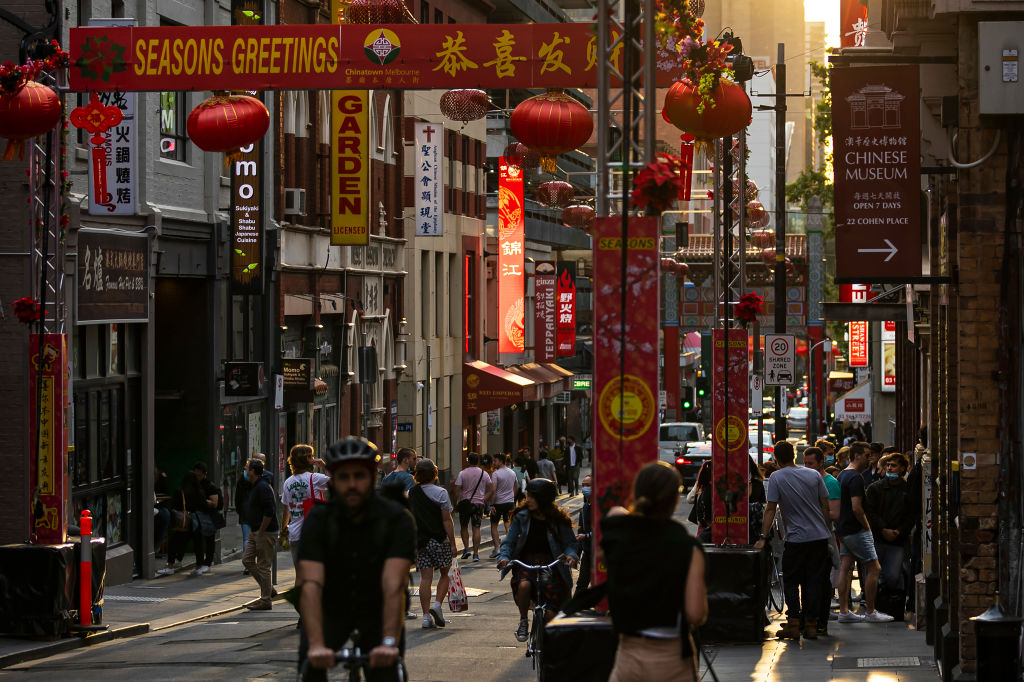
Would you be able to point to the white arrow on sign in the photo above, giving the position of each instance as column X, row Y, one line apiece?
column 892, row 250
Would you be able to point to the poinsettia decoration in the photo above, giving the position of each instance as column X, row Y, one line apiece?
column 681, row 35
column 13, row 76
column 26, row 309
column 748, row 308
column 658, row 184
column 101, row 59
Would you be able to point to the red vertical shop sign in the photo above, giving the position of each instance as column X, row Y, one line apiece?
column 625, row 433
column 511, row 259
column 48, row 436
column 545, row 336
column 854, row 26
column 857, row 332
column 566, row 309
column 730, row 461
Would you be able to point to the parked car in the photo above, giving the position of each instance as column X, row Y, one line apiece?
column 796, row 422
column 689, row 461
column 768, row 443
column 673, row 437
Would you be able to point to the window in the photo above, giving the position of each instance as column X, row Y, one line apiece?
column 173, row 138
column 438, row 16
column 468, row 304
column 440, row 290
column 453, row 307
column 464, row 181
column 451, row 208
column 424, row 13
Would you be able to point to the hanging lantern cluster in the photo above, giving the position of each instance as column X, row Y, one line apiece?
column 731, row 113
column 579, row 216
column 555, row 194
column 29, row 111
column 763, row 239
column 673, row 267
column 225, row 123
column 768, row 258
column 757, row 216
column 519, row 155
column 552, row 124
column 375, row 12
column 465, row 105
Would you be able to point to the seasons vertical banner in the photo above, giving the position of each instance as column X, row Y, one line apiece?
column 566, row 308
column 625, row 433
column 730, row 461
column 511, row 259
column 350, row 167
column 545, row 333
column 48, row 436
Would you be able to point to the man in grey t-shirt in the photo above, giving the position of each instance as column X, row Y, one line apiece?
column 805, row 561
column 546, row 468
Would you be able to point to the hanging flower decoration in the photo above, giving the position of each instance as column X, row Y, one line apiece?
column 13, row 76
column 748, row 308
column 658, row 185
column 465, row 105
column 27, row 310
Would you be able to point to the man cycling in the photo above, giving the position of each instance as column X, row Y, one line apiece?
column 354, row 560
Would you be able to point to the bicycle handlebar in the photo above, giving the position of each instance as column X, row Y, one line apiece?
column 538, row 567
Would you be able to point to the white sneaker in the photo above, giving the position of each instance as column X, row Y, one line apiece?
column 196, row 571
column 878, row 617
column 165, row 571
column 851, row 617
column 202, row 570
column 428, row 623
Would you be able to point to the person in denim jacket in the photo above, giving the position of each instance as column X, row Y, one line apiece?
column 540, row 532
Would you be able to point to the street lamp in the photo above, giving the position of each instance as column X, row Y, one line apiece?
column 812, row 420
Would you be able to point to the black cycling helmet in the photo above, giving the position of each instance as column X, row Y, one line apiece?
column 352, row 449
column 543, row 490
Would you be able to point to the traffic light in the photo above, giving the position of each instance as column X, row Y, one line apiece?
column 702, row 387
column 687, row 398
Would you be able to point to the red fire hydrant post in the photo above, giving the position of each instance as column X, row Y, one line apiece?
column 85, row 570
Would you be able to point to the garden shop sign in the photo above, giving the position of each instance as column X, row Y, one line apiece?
column 339, row 56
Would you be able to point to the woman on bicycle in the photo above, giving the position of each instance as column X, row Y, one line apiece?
column 652, row 610
column 540, row 532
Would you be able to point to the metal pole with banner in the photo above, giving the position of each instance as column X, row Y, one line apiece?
column 511, row 260
column 49, row 438
column 730, row 461
column 625, row 433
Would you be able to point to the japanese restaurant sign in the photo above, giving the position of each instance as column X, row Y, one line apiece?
column 298, row 379
column 876, row 131
column 730, row 461
column 545, row 334
column 625, row 402
column 566, row 308
column 511, row 259
column 112, row 277
column 341, row 56
column 48, row 435
column 350, row 167
column 247, row 191
column 427, row 183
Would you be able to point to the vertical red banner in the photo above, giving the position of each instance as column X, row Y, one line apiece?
column 511, row 260
column 853, row 23
column 545, row 335
column 731, row 463
column 625, row 433
column 858, row 333
column 48, row 438
column 566, row 309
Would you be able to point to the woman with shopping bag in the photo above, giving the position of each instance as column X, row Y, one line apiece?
column 435, row 538
column 301, row 491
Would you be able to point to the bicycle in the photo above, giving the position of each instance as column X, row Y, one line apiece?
column 356, row 662
column 535, row 638
column 776, row 597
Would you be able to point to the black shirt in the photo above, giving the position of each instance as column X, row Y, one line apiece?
column 262, row 503
column 851, row 484
column 353, row 555
column 537, row 538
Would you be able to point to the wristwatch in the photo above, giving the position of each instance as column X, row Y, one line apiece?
column 762, row 536
column 389, row 641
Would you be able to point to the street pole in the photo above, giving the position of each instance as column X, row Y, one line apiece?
column 781, row 432
column 812, row 417
column 365, row 379
column 426, row 411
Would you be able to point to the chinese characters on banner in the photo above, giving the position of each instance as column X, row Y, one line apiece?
column 511, row 259
column 854, row 31
column 625, row 433
column 731, row 463
column 48, row 437
column 566, row 309
column 857, row 331
column 427, row 180
column 876, row 132
column 545, row 336
column 888, row 357
column 350, row 167
column 113, row 277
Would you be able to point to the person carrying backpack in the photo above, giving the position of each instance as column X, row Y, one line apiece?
column 301, row 490
column 435, row 538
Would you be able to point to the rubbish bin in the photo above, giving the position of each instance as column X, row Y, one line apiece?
column 998, row 638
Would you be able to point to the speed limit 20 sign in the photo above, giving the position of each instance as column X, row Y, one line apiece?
column 779, row 360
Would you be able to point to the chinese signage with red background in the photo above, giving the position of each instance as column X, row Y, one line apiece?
column 511, row 259
column 888, row 357
column 545, row 335
column 730, row 461
column 48, row 435
column 854, row 26
column 625, row 433
column 858, row 331
column 876, row 133
column 566, row 308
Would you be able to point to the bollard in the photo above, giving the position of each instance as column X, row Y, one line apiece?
column 998, row 636
column 85, row 570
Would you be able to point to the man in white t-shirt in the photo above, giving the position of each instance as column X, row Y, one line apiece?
column 302, row 485
column 503, row 498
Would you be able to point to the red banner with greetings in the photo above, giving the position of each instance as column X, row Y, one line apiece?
column 731, row 463
column 566, row 308
column 48, row 436
column 545, row 332
column 625, row 433
column 511, row 260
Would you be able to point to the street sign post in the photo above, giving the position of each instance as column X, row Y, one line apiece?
column 756, row 395
column 779, row 360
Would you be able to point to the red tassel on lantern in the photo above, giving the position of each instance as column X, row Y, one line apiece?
column 30, row 111
column 226, row 123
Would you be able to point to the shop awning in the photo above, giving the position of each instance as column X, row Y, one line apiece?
column 565, row 374
column 486, row 387
column 552, row 382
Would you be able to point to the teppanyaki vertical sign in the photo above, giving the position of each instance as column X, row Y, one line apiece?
column 545, row 335
column 350, row 167
column 427, row 173
column 511, row 259
column 876, row 130
column 566, row 308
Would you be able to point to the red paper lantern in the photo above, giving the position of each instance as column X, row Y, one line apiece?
column 555, row 194
column 682, row 270
column 730, row 114
column 31, row 111
column 225, row 123
column 763, row 239
column 757, row 216
column 768, row 257
column 519, row 155
column 579, row 216
column 465, row 105
column 376, row 12
column 552, row 124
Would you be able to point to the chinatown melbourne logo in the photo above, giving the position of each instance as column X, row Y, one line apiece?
column 382, row 46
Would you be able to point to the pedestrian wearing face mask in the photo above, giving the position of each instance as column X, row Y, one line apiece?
column 892, row 520
column 585, row 537
column 829, row 448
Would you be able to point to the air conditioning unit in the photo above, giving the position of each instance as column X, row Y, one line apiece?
column 294, row 201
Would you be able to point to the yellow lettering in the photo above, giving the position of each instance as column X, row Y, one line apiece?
column 287, row 51
column 140, row 57
column 176, row 54
column 251, row 53
column 275, row 54
column 238, row 56
column 264, row 66
column 190, row 61
column 165, row 58
column 151, row 57
column 218, row 56
column 332, row 63
column 318, row 50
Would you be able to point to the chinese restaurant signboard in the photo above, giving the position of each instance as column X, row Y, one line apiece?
column 427, row 180
column 113, row 277
column 888, row 357
column 566, row 308
column 48, row 436
column 350, row 167
column 511, row 260
column 731, row 463
column 625, row 402
column 545, row 335
column 876, row 132
column 859, row 355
